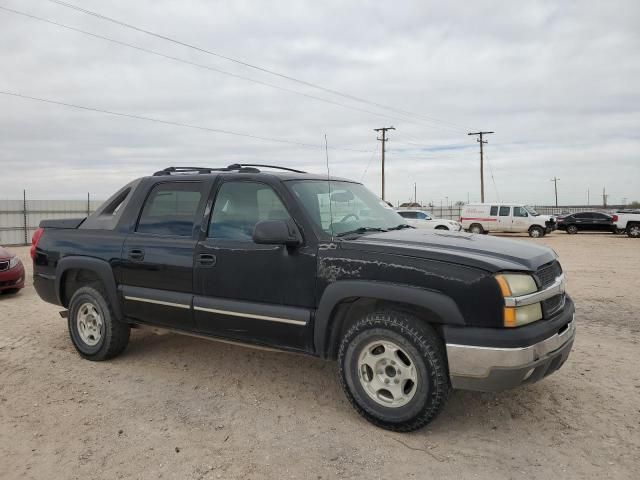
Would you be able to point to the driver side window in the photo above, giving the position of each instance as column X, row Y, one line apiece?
column 519, row 212
column 239, row 206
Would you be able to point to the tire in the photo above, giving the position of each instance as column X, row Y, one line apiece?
column 441, row 227
column 572, row 229
column 94, row 330
column 536, row 232
column 420, row 358
column 619, row 231
column 633, row 231
column 476, row 228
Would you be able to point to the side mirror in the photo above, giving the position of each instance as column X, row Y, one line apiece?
column 277, row 232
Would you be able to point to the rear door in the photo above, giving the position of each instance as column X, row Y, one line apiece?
column 157, row 259
column 504, row 219
column 602, row 222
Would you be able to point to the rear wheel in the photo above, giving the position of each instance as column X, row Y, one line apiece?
column 94, row 330
column 633, row 231
column 572, row 229
column 476, row 228
column 441, row 227
column 393, row 370
column 536, row 232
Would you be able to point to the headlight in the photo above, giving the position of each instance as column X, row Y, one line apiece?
column 14, row 262
column 516, row 285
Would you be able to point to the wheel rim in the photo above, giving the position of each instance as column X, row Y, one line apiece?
column 535, row 233
column 387, row 373
column 634, row 231
column 475, row 230
column 89, row 323
column 572, row 229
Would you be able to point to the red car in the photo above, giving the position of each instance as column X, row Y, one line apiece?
column 11, row 272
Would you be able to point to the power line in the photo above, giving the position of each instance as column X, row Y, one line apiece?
column 207, row 67
column 255, row 67
column 373, row 153
column 177, row 124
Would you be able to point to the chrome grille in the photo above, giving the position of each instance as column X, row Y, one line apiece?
column 4, row 265
column 547, row 274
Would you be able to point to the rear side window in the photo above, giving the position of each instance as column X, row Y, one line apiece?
column 239, row 206
column 504, row 211
column 494, row 211
column 171, row 209
column 411, row 215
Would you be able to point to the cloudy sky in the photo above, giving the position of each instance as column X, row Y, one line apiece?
column 557, row 82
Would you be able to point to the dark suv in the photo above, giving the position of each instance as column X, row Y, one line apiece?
column 321, row 266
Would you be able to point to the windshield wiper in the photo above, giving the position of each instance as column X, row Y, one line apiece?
column 401, row 226
column 361, row 230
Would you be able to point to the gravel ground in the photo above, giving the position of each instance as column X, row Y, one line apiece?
column 179, row 407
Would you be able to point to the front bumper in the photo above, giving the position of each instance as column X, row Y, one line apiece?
column 12, row 279
column 490, row 369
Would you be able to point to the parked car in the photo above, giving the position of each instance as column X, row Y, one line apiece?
column 628, row 222
column 505, row 217
column 11, row 272
column 289, row 260
column 586, row 222
column 422, row 219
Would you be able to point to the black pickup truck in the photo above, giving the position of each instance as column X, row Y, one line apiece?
column 310, row 264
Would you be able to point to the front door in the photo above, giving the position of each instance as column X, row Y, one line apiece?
column 520, row 222
column 250, row 292
column 157, row 258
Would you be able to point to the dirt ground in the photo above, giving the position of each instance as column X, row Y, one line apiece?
column 179, row 407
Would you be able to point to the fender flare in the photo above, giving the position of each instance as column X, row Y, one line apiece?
column 100, row 267
column 438, row 303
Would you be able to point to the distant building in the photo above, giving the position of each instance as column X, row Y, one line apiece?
column 410, row 205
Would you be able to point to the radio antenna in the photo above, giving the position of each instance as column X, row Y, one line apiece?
column 326, row 152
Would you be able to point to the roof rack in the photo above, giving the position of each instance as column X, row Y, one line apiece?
column 235, row 167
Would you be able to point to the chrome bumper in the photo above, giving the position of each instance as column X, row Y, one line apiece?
column 492, row 369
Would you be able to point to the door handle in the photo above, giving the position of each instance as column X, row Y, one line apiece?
column 136, row 254
column 206, row 260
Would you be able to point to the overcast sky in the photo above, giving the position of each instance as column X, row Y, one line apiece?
column 557, row 82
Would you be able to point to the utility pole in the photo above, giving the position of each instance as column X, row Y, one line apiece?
column 587, row 197
column 555, row 184
column 604, row 197
column 384, row 140
column 482, row 142
column 415, row 193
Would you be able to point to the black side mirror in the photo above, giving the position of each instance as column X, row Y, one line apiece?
column 277, row 232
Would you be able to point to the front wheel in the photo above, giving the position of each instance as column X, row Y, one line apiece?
column 393, row 370
column 536, row 232
column 441, row 227
column 94, row 330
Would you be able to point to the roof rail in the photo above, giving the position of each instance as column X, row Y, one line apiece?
column 235, row 167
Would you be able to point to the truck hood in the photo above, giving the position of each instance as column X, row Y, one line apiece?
column 474, row 250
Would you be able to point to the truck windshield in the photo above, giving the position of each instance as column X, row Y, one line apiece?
column 531, row 211
column 350, row 207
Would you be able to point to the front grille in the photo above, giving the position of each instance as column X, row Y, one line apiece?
column 548, row 273
column 4, row 265
column 552, row 305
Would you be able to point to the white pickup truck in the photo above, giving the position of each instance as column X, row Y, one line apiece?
column 628, row 222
